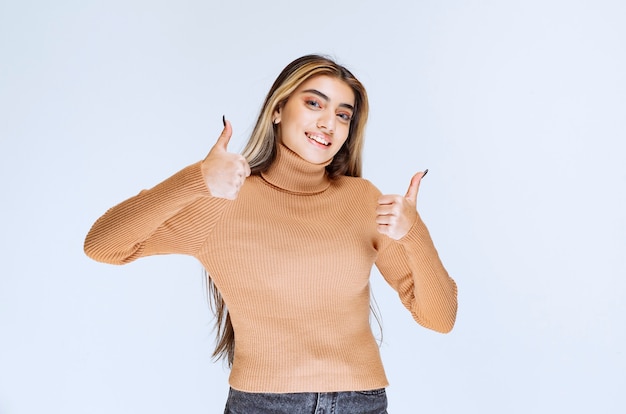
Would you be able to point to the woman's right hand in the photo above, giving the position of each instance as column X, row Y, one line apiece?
column 224, row 172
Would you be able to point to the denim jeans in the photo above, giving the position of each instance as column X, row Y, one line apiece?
column 348, row 402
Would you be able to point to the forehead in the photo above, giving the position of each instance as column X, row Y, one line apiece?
column 338, row 91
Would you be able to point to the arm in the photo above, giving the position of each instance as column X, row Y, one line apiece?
column 155, row 221
column 176, row 215
column 410, row 263
column 412, row 267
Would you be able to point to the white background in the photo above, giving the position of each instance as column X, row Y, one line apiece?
column 518, row 108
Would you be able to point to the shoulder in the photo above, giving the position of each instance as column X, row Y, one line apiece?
column 358, row 185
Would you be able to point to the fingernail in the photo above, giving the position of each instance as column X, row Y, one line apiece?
column 425, row 172
column 224, row 120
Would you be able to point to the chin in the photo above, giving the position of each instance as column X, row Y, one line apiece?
column 317, row 160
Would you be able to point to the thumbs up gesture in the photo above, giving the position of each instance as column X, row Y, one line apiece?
column 396, row 214
column 224, row 172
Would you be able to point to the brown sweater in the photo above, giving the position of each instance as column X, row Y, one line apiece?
column 292, row 257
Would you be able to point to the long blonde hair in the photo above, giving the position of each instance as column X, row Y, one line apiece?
column 260, row 151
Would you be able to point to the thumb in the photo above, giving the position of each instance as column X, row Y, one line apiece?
column 224, row 138
column 411, row 193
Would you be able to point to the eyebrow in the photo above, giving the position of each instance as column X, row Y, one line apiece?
column 327, row 99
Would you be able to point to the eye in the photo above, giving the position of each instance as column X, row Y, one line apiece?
column 313, row 103
column 344, row 116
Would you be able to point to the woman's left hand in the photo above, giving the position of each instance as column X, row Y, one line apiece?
column 396, row 214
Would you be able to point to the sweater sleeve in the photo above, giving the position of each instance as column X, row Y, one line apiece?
column 412, row 267
column 174, row 216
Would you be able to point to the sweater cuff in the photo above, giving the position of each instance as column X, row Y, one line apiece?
column 416, row 233
column 193, row 180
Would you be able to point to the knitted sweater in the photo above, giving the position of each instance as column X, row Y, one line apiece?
column 291, row 257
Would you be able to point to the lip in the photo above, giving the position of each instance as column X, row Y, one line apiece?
column 324, row 137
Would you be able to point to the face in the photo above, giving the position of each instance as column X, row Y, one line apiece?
column 315, row 121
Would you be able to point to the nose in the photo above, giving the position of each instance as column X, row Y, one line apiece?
column 326, row 122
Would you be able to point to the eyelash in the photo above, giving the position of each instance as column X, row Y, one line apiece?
column 314, row 103
column 344, row 116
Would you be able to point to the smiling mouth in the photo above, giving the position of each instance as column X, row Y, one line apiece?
column 318, row 139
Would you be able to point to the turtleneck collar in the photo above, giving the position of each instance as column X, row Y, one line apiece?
column 292, row 173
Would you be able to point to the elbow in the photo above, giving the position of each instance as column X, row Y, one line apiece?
column 450, row 319
column 443, row 325
column 114, row 258
column 447, row 323
column 94, row 248
column 441, row 320
column 95, row 254
column 90, row 247
column 93, row 251
column 446, row 327
column 102, row 252
column 448, row 312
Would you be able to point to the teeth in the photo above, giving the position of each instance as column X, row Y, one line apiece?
column 318, row 139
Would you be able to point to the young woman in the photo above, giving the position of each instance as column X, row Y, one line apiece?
column 288, row 233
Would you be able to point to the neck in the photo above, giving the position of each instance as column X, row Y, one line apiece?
column 294, row 174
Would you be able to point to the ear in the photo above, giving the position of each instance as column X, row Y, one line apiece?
column 276, row 116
